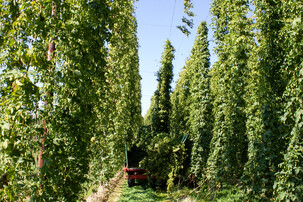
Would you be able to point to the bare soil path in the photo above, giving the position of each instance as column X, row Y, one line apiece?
column 105, row 190
column 115, row 195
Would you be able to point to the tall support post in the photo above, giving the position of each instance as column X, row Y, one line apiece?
column 50, row 56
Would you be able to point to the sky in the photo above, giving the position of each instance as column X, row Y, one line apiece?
column 157, row 21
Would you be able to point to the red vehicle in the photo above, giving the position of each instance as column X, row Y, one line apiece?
column 134, row 173
column 131, row 171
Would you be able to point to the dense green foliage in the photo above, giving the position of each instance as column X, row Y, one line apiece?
column 288, row 184
column 267, row 79
column 248, row 107
column 200, row 103
column 233, row 129
column 191, row 106
column 228, row 145
column 161, row 147
column 179, row 101
column 178, row 127
column 91, row 87
column 183, row 150
column 161, row 110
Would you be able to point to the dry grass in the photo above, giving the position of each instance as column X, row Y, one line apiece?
column 105, row 190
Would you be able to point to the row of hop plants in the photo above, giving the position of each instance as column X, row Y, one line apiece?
column 243, row 115
column 63, row 70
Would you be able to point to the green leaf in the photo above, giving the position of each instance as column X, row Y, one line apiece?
column 298, row 170
column 77, row 72
column 19, row 83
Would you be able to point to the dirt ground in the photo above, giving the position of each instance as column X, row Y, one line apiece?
column 115, row 195
column 108, row 191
